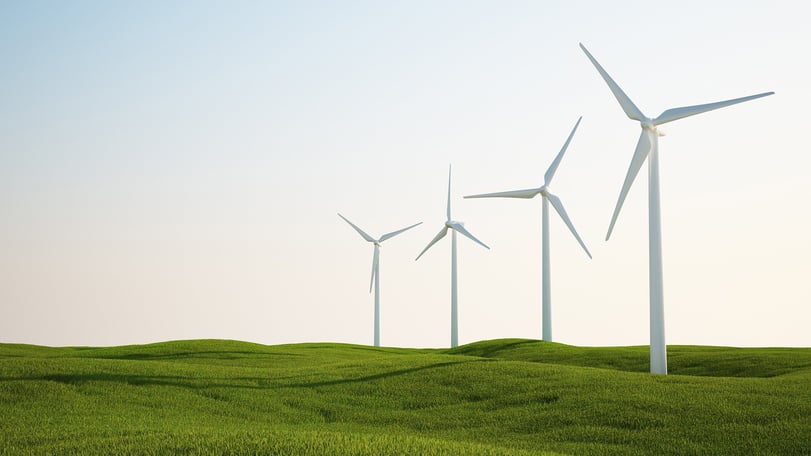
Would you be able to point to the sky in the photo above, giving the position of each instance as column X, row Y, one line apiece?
column 174, row 170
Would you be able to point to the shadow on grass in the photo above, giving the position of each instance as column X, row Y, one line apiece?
column 212, row 354
column 489, row 351
column 202, row 383
column 395, row 373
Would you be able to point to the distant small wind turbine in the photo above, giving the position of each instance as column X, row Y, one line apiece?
column 649, row 145
column 376, row 268
column 455, row 227
column 547, row 197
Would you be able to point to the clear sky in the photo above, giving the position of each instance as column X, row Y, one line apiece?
column 173, row 170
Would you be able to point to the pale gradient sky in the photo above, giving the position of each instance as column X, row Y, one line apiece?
column 172, row 170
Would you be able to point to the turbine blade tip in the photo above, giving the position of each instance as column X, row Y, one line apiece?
column 608, row 233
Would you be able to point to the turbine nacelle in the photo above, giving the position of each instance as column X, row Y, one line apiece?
column 649, row 125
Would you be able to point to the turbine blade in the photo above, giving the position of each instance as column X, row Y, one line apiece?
column 449, row 192
column 627, row 105
column 686, row 111
column 436, row 239
column 641, row 153
column 528, row 193
column 375, row 262
column 461, row 229
column 360, row 231
column 558, row 205
column 550, row 173
column 395, row 233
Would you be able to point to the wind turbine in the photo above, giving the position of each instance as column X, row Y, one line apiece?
column 455, row 227
column 649, row 145
column 547, row 197
column 376, row 268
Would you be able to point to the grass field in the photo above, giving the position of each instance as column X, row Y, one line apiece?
column 494, row 397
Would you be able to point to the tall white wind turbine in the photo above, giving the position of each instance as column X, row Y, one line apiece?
column 376, row 268
column 455, row 227
column 547, row 197
column 648, row 145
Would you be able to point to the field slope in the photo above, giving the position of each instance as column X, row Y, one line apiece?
column 493, row 397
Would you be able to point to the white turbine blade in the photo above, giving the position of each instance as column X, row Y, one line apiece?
column 395, row 233
column 558, row 205
column 375, row 262
column 627, row 105
column 449, row 193
column 642, row 151
column 436, row 239
column 461, row 229
column 528, row 193
column 360, row 231
column 550, row 173
column 686, row 111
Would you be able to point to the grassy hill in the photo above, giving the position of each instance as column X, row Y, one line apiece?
column 493, row 397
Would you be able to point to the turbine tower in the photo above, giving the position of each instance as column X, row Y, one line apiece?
column 455, row 227
column 376, row 268
column 648, row 145
column 547, row 197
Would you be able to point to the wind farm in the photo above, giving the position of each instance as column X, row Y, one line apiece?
column 175, row 279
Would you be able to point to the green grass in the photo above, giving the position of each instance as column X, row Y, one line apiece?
column 493, row 397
